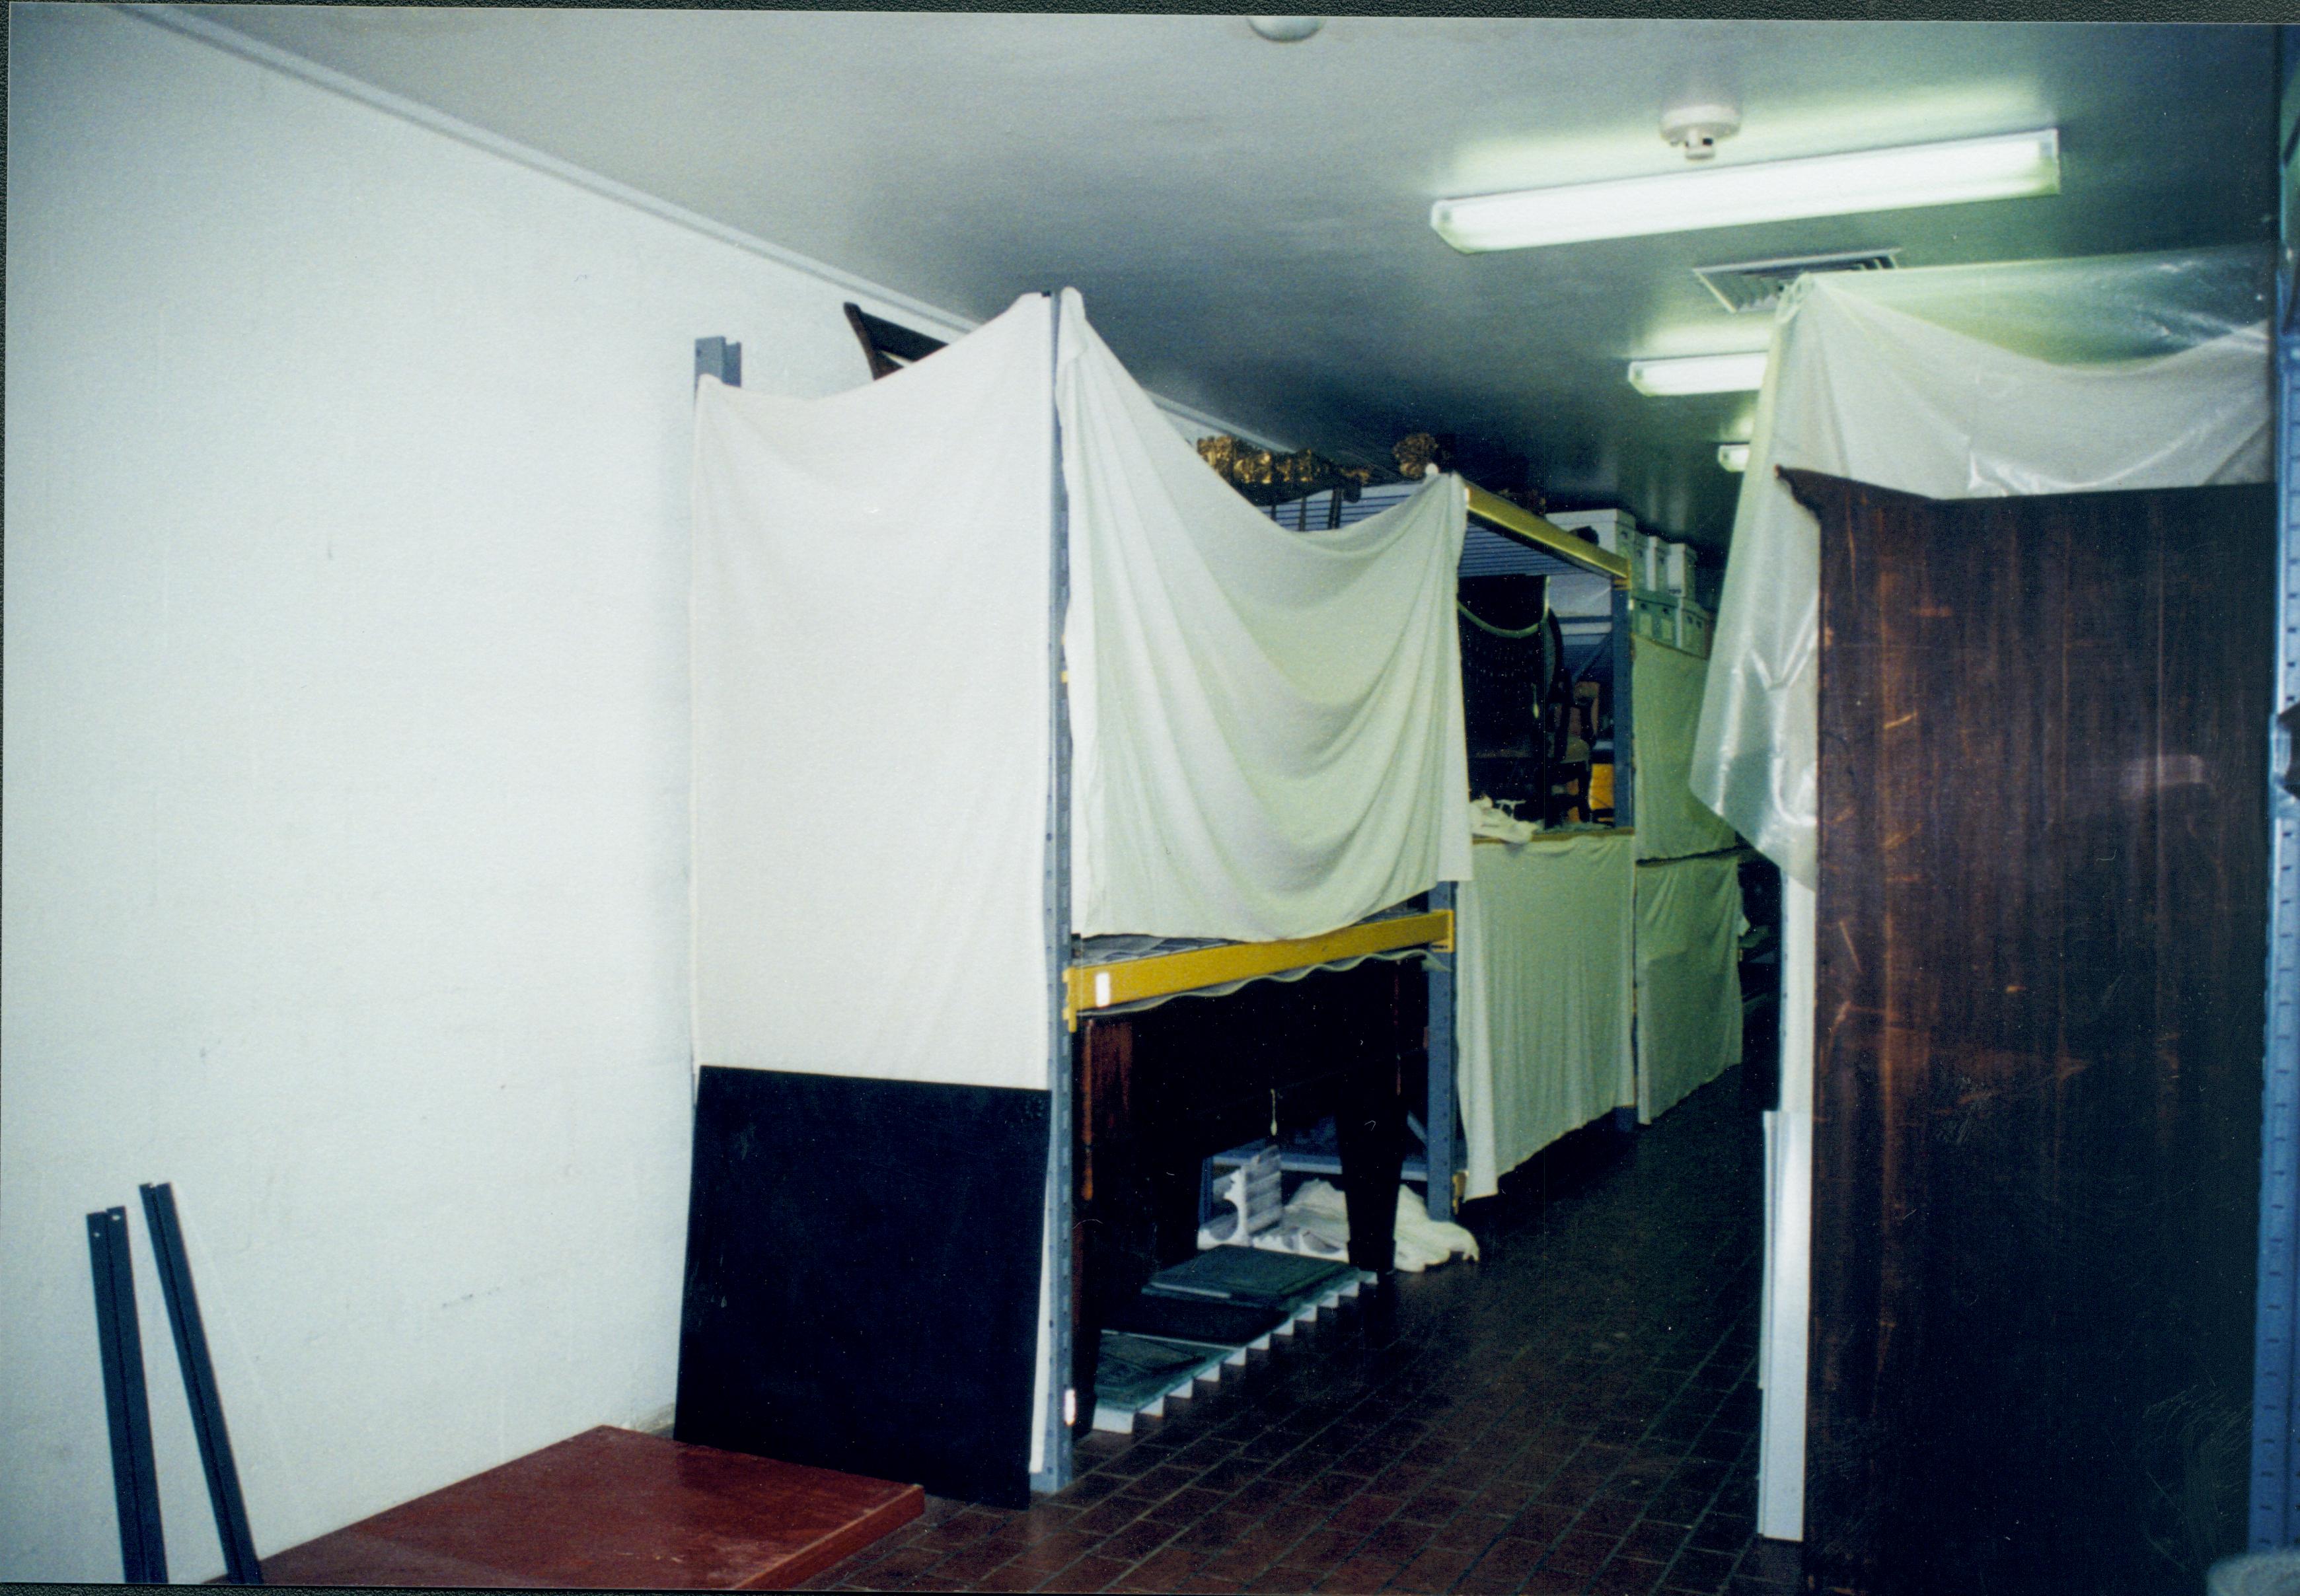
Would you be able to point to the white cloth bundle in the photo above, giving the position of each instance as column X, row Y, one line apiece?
column 1319, row 1210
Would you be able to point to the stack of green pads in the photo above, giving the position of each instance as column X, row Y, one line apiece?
column 1194, row 1319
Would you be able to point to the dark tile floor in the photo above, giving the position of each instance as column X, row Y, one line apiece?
column 1576, row 1412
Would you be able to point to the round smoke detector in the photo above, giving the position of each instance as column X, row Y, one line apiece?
column 1286, row 30
column 1696, row 129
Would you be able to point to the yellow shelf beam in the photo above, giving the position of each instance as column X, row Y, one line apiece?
column 1093, row 986
column 1527, row 527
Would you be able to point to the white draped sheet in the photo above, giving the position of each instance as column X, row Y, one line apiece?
column 871, row 717
column 1665, row 686
column 1266, row 725
column 1543, row 990
column 1688, row 977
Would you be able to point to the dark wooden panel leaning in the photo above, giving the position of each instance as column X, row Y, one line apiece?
column 2039, row 991
column 612, row 1509
column 863, row 1277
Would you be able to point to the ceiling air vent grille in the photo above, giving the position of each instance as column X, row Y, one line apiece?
column 1753, row 285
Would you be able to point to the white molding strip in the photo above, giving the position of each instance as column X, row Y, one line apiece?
column 940, row 322
column 231, row 40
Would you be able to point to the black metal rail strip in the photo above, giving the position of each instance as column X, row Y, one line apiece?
column 135, row 1476
column 240, row 1566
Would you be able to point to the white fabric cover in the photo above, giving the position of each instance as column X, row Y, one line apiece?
column 1959, row 382
column 1665, row 687
column 1543, row 989
column 1266, row 725
column 871, row 714
column 1688, row 977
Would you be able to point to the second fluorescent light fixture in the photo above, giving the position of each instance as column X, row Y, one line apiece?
column 2008, row 166
column 1699, row 374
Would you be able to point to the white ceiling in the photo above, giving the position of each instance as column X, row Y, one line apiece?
column 1248, row 221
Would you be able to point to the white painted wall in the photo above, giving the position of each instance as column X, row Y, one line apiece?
column 347, row 752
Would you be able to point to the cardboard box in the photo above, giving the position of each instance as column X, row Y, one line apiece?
column 1677, row 568
column 1610, row 527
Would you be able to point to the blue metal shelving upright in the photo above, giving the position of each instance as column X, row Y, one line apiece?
column 2275, row 1479
column 1055, row 1467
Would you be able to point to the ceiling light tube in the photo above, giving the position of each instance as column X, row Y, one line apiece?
column 2007, row 166
column 1733, row 457
column 1700, row 374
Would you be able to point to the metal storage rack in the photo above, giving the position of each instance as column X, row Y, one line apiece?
column 1503, row 539
column 1083, row 979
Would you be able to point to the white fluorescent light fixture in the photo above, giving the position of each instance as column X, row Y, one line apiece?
column 2008, row 166
column 1700, row 374
column 1733, row 457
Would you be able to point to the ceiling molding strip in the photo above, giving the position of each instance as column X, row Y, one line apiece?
column 178, row 20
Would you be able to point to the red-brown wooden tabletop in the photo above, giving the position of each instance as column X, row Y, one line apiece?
column 613, row 1509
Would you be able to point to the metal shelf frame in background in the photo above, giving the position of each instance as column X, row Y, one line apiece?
column 1441, row 1141
column 1443, row 1144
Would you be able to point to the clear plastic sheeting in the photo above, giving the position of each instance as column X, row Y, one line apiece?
column 1688, row 977
column 1665, row 687
column 871, row 713
column 1266, row 725
column 2136, row 371
column 1544, row 961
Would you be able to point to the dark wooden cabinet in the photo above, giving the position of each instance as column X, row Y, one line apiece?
column 2041, row 942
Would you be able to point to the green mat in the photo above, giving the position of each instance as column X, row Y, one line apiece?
column 1135, row 1371
column 1255, row 1277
